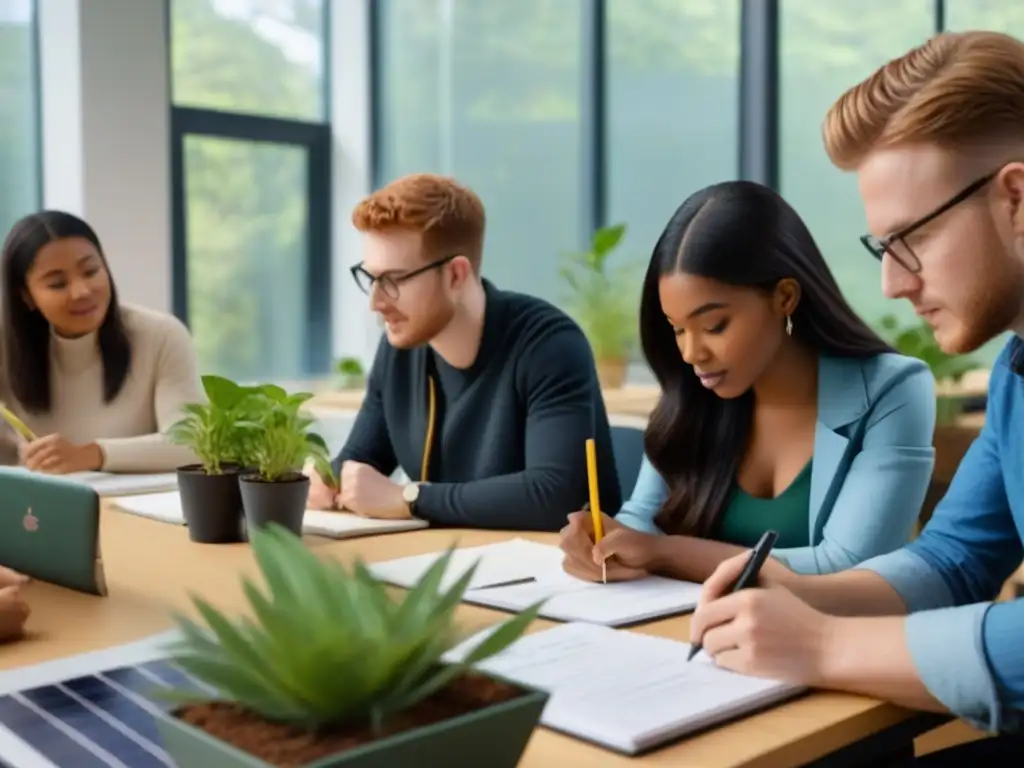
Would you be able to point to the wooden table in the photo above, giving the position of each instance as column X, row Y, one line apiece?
column 152, row 567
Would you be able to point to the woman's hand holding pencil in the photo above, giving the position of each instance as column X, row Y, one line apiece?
column 586, row 560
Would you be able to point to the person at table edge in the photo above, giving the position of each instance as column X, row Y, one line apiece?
column 97, row 381
column 512, row 379
column 936, row 138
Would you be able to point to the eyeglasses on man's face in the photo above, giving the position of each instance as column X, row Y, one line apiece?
column 896, row 245
column 388, row 282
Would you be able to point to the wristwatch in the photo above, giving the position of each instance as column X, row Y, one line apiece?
column 410, row 494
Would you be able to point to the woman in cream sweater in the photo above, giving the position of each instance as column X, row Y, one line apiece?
column 96, row 381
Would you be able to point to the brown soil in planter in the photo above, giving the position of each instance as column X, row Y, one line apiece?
column 289, row 747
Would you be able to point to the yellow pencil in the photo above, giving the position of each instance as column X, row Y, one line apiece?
column 595, row 500
column 17, row 424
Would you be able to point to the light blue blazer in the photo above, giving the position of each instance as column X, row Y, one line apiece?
column 873, row 460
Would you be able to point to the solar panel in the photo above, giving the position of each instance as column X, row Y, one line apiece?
column 84, row 712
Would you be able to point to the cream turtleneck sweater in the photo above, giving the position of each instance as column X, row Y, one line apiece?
column 162, row 378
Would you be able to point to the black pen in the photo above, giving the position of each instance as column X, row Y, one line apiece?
column 748, row 577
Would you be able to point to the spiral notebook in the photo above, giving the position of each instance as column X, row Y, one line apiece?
column 627, row 691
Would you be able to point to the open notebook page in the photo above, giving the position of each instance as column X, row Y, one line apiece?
column 498, row 563
column 616, row 604
column 166, row 507
column 624, row 690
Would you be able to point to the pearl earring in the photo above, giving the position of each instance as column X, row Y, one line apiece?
column 789, row 325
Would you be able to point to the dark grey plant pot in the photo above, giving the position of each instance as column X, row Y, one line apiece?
column 282, row 502
column 211, row 505
column 495, row 736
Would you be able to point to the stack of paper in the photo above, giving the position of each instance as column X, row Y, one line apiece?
column 515, row 574
column 624, row 690
column 166, row 507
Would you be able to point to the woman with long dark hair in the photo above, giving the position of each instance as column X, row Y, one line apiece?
column 96, row 382
column 780, row 408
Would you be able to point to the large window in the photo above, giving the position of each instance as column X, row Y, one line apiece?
column 19, row 122
column 825, row 48
column 251, row 164
column 488, row 91
column 672, row 108
column 996, row 15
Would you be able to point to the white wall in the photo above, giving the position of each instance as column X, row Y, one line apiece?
column 106, row 134
column 106, row 143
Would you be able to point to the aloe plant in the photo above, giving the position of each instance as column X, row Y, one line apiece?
column 328, row 646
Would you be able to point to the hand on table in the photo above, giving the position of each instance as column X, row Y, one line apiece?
column 57, row 456
column 321, row 495
column 9, row 578
column 763, row 631
column 13, row 613
column 627, row 553
column 367, row 493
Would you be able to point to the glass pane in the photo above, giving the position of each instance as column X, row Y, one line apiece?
column 246, row 235
column 673, row 103
column 995, row 15
column 262, row 57
column 19, row 127
column 488, row 92
column 825, row 49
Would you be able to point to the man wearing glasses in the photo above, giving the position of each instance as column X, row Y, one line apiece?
column 485, row 398
column 936, row 138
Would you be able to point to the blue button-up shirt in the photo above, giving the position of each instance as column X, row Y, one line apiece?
column 969, row 651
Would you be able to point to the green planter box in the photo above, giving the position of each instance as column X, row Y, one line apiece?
column 494, row 737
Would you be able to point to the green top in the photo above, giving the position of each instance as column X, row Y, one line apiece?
column 747, row 517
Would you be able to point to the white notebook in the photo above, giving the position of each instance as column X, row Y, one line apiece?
column 566, row 597
column 111, row 484
column 624, row 690
column 166, row 507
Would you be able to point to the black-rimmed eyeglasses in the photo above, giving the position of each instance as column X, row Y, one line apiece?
column 388, row 282
column 896, row 245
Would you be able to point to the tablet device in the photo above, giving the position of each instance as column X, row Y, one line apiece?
column 50, row 529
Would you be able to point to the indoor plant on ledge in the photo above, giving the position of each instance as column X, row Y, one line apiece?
column 349, row 374
column 219, row 433
column 332, row 671
column 277, row 489
column 952, row 439
column 605, row 303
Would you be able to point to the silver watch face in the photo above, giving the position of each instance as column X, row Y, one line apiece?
column 411, row 492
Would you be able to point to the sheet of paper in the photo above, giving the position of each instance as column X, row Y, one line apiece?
column 166, row 507
column 624, row 689
column 571, row 599
column 498, row 563
column 110, row 484
column 346, row 524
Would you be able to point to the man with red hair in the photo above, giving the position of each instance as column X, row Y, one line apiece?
column 484, row 397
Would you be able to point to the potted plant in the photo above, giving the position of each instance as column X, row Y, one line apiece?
column 216, row 432
column 332, row 671
column 348, row 374
column 604, row 301
column 276, row 490
column 952, row 439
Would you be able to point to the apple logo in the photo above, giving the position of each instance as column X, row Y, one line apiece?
column 31, row 522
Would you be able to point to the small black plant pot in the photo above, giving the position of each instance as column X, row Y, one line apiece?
column 282, row 502
column 211, row 505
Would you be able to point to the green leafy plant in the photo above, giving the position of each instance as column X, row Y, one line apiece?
column 349, row 366
column 220, row 431
column 282, row 440
column 604, row 299
column 329, row 646
column 919, row 341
